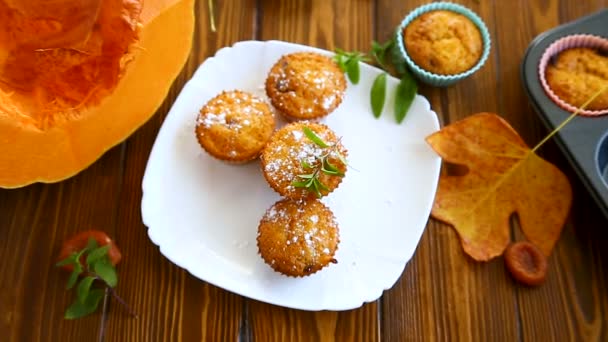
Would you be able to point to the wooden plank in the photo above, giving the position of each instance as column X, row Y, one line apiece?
column 172, row 304
column 569, row 305
column 34, row 222
column 310, row 23
column 443, row 294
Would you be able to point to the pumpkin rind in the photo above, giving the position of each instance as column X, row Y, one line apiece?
column 29, row 154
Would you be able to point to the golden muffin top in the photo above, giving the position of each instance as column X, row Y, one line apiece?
column 298, row 238
column 291, row 156
column 235, row 126
column 577, row 74
column 443, row 42
column 305, row 85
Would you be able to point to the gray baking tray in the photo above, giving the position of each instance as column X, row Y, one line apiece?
column 584, row 140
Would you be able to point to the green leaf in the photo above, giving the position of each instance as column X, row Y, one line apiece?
column 332, row 173
column 352, row 70
column 315, row 138
column 307, row 176
column 315, row 188
column 80, row 309
column 74, row 276
column 406, row 91
column 298, row 184
column 379, row 52
column 305, row 164
column 69, row 260
column 341, row 60
column 329, row 166
column 321, row 186
column 342, row 159
column 331, row 169
column 104, row 269
column 378, row 95
column 91, row 245
column 82, row 291
column 97, row 254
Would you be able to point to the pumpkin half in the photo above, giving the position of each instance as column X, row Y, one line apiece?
column 78, row 77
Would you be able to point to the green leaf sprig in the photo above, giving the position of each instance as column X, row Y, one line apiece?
column 349, row 63
column 322, row 165
column 381, row 55
column 379, row 52
column 97, row 269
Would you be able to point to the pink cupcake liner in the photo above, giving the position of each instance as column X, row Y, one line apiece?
column 569, row 42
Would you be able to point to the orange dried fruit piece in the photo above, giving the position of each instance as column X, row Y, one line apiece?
column 526, row 263
column 502, row 176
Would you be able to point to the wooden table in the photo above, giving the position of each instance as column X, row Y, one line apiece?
column 442, row 295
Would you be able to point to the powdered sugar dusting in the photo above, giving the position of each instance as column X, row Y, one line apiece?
column 323, row 83
column 231, row 110
column 211, row 119
column 284, row 158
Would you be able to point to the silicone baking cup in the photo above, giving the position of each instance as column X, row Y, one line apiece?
column 429, row 77
column 565, row 43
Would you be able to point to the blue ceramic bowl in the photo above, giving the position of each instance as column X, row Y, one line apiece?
column 429, row 77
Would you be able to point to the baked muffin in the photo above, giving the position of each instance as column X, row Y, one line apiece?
column 298, row 238
column 577, row 74
column 297, row 167
column 443, row 42
column 305, row 86
column 235, row 126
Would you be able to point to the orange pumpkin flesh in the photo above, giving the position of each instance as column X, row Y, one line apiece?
column 42, row 145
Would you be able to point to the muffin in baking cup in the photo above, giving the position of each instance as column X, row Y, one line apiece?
column 401, row 55
column 568, row 82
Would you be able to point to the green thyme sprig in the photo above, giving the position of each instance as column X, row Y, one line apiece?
column 96, row 270
column 381, row 55
column 322, row 165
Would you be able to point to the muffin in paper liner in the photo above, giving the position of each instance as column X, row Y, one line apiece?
column 400, row 52
column 560, row 45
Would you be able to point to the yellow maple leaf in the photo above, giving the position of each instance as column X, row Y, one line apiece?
column 504, row 176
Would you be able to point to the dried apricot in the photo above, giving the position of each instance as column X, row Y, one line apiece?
column 526, row 263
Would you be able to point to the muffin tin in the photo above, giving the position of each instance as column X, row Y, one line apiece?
column 584, row 140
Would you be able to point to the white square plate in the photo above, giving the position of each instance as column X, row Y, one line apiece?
column 203, row 213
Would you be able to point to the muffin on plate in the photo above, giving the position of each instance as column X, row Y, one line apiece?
column 305, row 86
column 298, row 238
column 443, row 42
column 577, row 74
column 304, row 160
column 235, row 126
